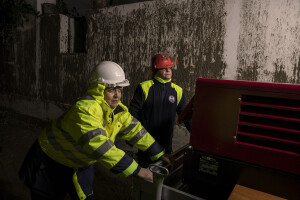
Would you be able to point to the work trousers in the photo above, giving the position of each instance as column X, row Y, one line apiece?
column 49, row 180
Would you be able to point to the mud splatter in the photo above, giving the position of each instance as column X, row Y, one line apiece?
column 265, row 46
column 280, row 75
column 252, row 46
column 192, row 31
column 296, row 72
column 269, row 34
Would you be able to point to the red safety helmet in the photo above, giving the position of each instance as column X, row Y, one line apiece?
column 160, row 61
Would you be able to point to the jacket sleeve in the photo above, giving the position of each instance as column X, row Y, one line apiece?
column 188, row 119
column 136, row 104
column 97, row 146
column 136, row 135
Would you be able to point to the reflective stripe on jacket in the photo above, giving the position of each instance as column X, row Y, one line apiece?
column 86, row 133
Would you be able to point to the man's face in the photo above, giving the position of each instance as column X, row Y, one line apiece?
column 165, row 73
column 112, row 96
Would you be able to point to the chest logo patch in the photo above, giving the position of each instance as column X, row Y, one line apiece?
column 171, row 98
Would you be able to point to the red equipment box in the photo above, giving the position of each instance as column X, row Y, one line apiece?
column 246, row 133
column 253, row 122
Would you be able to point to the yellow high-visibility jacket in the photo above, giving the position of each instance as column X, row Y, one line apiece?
column 85, row 134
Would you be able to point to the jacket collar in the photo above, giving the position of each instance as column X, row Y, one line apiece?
column 161, row 80
column 96, row 90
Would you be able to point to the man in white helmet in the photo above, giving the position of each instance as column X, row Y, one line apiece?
column 61, row 161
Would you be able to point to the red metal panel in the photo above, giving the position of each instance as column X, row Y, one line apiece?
column 218, row 114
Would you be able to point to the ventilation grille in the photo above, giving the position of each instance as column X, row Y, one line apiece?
column 272, row 123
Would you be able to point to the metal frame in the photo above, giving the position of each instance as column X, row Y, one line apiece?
column 156, row 190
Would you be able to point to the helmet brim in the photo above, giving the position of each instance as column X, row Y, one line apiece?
column 120, row 84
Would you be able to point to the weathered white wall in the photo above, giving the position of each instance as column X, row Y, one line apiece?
column 256, row 40
column 193, row 31
column 262, row 40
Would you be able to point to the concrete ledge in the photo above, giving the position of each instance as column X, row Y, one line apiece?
column 34, row 108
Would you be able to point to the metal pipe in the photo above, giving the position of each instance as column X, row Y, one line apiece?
column 159, row 173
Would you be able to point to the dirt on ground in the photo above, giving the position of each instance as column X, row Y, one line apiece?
column 18, row 132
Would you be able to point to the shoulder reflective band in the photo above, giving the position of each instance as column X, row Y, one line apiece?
column 145, row 87
column 179, row 92
column 86, row 98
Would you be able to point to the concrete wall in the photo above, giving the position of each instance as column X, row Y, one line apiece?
column 40, row 76
column 257, row 40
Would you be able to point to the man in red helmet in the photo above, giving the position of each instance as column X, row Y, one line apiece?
column 155, row 104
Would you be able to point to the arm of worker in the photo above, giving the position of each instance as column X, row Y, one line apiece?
column 188, row 118
column 136, row 135
column 136, row 104
column 139, row 137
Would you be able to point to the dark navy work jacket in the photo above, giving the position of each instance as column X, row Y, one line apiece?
column 155, row 104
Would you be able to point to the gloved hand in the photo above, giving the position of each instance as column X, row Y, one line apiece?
column 168, row 158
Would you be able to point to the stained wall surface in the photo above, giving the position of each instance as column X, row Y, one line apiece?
column 256, row 40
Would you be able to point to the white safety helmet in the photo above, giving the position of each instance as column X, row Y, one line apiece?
column 110, row 74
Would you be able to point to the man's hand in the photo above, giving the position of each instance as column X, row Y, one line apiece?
column 145, row 174
column 168, row 158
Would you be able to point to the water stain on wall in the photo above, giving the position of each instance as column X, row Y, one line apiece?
column 296, row 72
column 73, row 77
column 63, row 77
column 17, row 61
column 252, row 44
column 280, row 75
column 49, row 72
column 192, row 31
column 269, row 42
column 254, row 40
